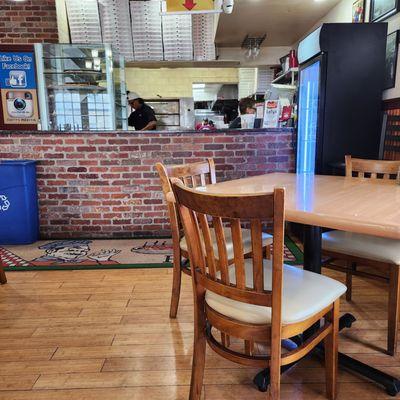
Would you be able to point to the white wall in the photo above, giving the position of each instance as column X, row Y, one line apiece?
column 207, row 93
column 175, row 82
column 342, row 12
column 62, row 22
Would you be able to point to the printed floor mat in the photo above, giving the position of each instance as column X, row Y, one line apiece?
column 102, row 254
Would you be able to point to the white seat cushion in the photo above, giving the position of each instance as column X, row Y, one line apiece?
column 364, row 246
column 304, row 295
column 246, row 236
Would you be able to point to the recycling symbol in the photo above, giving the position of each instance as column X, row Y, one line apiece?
column 4, row 203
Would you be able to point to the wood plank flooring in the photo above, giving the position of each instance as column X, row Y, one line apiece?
column 106, row 335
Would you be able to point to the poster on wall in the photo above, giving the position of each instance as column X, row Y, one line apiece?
column 358, row 11
column 18, row 88
column 392, row 46
column 382, row 9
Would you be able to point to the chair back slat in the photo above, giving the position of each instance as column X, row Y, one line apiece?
column 213, row 176
column 238, row 253
column 373, row 169
column 221, row 245
column 194, row 244
column 208, row 244
column 202, row 180
column 234, row 210
column 187, row 180
column 257, row 250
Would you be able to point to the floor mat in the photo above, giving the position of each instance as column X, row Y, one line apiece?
column 102, row 254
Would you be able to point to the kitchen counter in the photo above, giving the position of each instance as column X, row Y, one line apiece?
column 103, row 184
column 157, row 132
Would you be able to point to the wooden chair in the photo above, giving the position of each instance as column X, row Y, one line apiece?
column 358, row 249
column 192, row 175
column 253, row 299
column 3, row 277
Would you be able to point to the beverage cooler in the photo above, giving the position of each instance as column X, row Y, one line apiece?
column 340, row 95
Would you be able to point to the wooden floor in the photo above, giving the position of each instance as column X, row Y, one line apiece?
column 97, row 335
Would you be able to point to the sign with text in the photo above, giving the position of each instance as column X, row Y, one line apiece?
column 189, row 5
column 18, row 88
column 272, row 114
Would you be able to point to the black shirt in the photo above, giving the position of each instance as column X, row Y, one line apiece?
column 141, row 117
column 236, row 123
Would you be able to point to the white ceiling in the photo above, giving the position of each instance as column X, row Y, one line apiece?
column 284, row 21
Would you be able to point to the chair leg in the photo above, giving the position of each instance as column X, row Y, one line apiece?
column 176, row 285
column 393, row 309
column 331, row 353
column 3, row 278
column 349, row 280
column 199, row 349
column 275, row 365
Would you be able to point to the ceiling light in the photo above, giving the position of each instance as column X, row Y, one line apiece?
column 199, row 85
column 252, row 45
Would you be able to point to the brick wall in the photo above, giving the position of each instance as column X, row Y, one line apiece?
column 104, row 184
column 31, row 21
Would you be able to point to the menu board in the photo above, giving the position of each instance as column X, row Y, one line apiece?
column 18, row 88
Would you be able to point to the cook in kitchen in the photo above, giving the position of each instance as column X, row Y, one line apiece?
column 143, row 117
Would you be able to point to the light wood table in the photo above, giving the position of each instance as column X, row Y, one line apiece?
column 351, row 204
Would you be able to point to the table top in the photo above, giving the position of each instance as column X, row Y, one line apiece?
column 363, row 205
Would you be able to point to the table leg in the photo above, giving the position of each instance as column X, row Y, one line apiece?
column 312, row 248
column 312, row 262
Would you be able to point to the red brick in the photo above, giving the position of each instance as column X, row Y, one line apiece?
column 20, row 16
column 98, row 194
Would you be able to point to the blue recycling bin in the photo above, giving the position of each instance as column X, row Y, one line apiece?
column 19, row 214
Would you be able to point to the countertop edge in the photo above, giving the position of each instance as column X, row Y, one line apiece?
column 166, row 133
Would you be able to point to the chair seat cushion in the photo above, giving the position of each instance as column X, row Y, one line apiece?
column 246, row 235
column 363, row 246
column 304, row 295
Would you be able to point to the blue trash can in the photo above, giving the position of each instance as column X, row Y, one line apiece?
column 19, row 214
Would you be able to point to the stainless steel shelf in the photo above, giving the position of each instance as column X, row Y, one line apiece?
column 77, row 87
column 289, row 77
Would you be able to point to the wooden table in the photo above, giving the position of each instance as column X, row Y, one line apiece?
column 351, row 204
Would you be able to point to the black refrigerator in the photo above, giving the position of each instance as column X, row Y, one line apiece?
column 341, row 80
